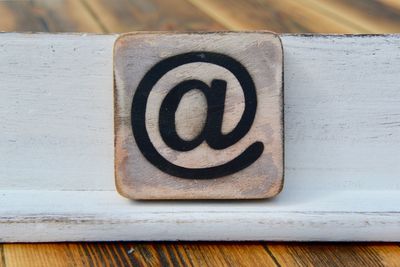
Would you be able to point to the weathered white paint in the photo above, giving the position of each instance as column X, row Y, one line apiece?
column 56, row 113
column 104, row 215
column 342, row 130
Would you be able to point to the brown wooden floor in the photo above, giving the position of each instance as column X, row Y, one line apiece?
column 106, row 16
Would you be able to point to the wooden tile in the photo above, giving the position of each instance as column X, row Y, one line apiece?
column 198, row 116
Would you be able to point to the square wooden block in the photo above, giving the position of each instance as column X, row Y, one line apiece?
column 198, row 115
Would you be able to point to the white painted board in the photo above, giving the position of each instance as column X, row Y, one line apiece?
column 342, row 137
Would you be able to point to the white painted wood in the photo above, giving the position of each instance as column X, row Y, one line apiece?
column 342, row 112
column 104, row 215
column 342, row 137
column 56, row 113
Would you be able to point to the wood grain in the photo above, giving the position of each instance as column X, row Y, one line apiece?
column 38, row 63
column 277, row 16
column 106, row 216
column 373, row 16
column 198, row 254
column 331, row 180
column 312, row 114
column 67, row 254
column 339, row 254
column 135, row 254
column 24, row 19
column 139, row 15
column 301, row 16
column 258, row 53
column 46, row 16
column 391, row 4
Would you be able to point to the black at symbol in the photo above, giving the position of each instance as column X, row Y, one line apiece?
column 211, row 133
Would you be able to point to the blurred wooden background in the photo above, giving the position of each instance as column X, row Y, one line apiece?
column 105, row 16
column 112, row 16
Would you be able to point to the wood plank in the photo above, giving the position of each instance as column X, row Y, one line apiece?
column 58, row 142
column 9, row 27
column 94, row 139
column 2, row 256
column 106, row 216
column 37, row 255
column 46, row 16
column 135, row 254
column 375, row 16
column 391, row 3
column 332, row 16
column 199, row 254
column 196, row 254
column 278, row 16
column 323, row 117
column 139, row 15
column 67, row 254
column 335, row 254
column 225, row 254
column 349, row 113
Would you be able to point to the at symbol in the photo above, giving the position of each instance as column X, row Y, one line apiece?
column 211, row 133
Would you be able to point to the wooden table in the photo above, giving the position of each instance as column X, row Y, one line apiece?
column 104, row 16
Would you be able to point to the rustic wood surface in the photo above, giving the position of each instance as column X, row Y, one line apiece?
column 136, row 178
column 359, row 16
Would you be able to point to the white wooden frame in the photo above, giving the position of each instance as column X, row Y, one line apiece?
column 342, row 148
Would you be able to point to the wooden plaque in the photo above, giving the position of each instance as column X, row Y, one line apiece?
column 198, row 116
